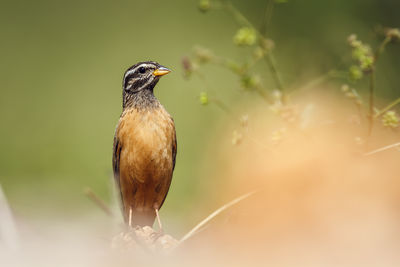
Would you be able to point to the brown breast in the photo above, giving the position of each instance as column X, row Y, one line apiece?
column 147, row 140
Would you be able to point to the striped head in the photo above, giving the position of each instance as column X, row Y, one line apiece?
column 139, row 81
column 143, row 75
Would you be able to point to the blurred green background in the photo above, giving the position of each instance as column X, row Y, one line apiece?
column 61, row 72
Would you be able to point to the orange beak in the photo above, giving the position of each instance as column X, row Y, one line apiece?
column 161, row 71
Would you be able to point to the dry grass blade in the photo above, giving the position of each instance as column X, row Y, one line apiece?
column 8, row 230
column 214, row 214
column 98, row 201
column 382, row 149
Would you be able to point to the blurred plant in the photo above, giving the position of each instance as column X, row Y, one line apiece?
column 278, row 135
column 237, row 137
column 362, row 53
column 204, row 5
column 245, row 36
column 262, row 49
column 352, row 94
column 203, row 98
column 366, row 64
column 390, row 119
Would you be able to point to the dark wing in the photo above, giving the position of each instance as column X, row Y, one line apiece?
column 173, row 150
column 115, row 161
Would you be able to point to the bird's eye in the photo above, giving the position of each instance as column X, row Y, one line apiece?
column 142, row 70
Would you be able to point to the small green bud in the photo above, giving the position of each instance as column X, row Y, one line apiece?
column 352, row 39
column 366, row 63
column 203, row 98
column 357, row 53
column 249, row 81
column 390, row 119
column 204, row 5
column 355, row 73
column 393, row 34
column 245, row 36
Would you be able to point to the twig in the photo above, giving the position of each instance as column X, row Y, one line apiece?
column 8, row 230
column 98, row 201
column 391, row 105
column 382, row 149
column 371, row 101
column 275, row 74
column 212, row 215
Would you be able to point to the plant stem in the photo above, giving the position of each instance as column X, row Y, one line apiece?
column 242, row 20
column 262, row 93
column 323, row 78
column 275, row 74
column 381, row 47
column 212, row 215
column 391, row 105
column 371, row 101
column 382, row 149
column 98, row 201
column 371, row 116
column 269, row 9
column 378, row 52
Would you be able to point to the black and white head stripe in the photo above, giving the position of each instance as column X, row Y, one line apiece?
column 140, row 75
column 146, row 65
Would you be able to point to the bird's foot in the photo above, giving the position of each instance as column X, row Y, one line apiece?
column 157, row 234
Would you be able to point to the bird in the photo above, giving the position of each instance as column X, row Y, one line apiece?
column 145, row 146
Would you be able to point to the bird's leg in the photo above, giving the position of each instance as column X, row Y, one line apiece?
column 156, row 235
column 160, row 229
column 130, row 217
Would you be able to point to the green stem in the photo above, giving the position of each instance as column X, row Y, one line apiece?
column 378, row 52
column 275, row 74
column 381, row 47
column 274, row 71
column 391, row 105
column 221, row 105
column 269, row 9
column 263, row 94
column 323, row 78
column 242, row 20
